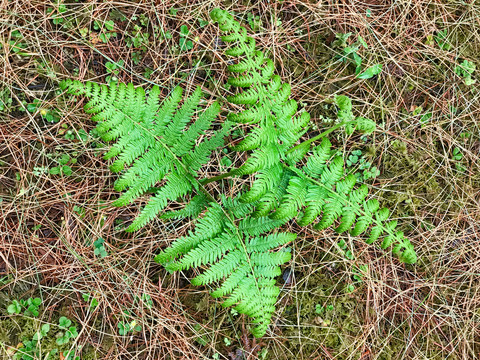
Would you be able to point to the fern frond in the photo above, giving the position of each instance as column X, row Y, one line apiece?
column 197, row 204
column 264, row 97
column 266, row 180
column 292, row 201
column 209, row 226
column 260, row 225
column 360, row 124
column 317, row 161
column 175, row 186
column 261, row 244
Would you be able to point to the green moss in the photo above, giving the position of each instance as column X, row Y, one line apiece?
column 334, row 327
column 420, row 181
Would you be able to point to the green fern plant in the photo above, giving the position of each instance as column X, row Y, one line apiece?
column 233, row 244
column 160, row 149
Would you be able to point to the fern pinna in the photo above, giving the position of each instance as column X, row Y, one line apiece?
column 239, row 253
column 235, row 240
column 153, row 145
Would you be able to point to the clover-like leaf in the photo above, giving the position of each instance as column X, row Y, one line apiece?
column 64, row 322
column 14, row 307
column 72, row 332
column 122, row 328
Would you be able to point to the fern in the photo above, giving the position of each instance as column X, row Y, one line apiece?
column 159, row 148
column 153, row 144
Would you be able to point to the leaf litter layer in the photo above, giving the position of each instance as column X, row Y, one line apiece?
column 49, row 221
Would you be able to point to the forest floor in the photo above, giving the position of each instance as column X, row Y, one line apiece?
column 62, row 241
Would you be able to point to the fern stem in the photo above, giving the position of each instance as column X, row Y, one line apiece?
column 218, row 177
column 319, row 136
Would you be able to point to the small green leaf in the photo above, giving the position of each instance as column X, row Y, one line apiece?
column 468, row 66
column 457, row 154
column 62, row 340
column 83, row 31
column 109, row 25
column 45, row 328
column 72, row 332
column 442, row 40
column 100, row 252
column 426, row 117
column 361, row 41
column 418, row 110
column 225, row 161
column 93, row 303
column 32, row 107
column 147, row 299
column 184, row 30
column 371, row 72
column 121, row 329
column 64, row 159
column 37, row 301
column 32, row 309
column 64, row 322
column 344, row 103
column 110, row 66
column 14, row 307
column 202, row 23
column 37, row 336
column 100, row 248
column 67, row 170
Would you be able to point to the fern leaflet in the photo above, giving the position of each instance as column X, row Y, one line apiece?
column 153, row 144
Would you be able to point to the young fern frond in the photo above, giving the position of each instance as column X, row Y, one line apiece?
column 154, row 144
